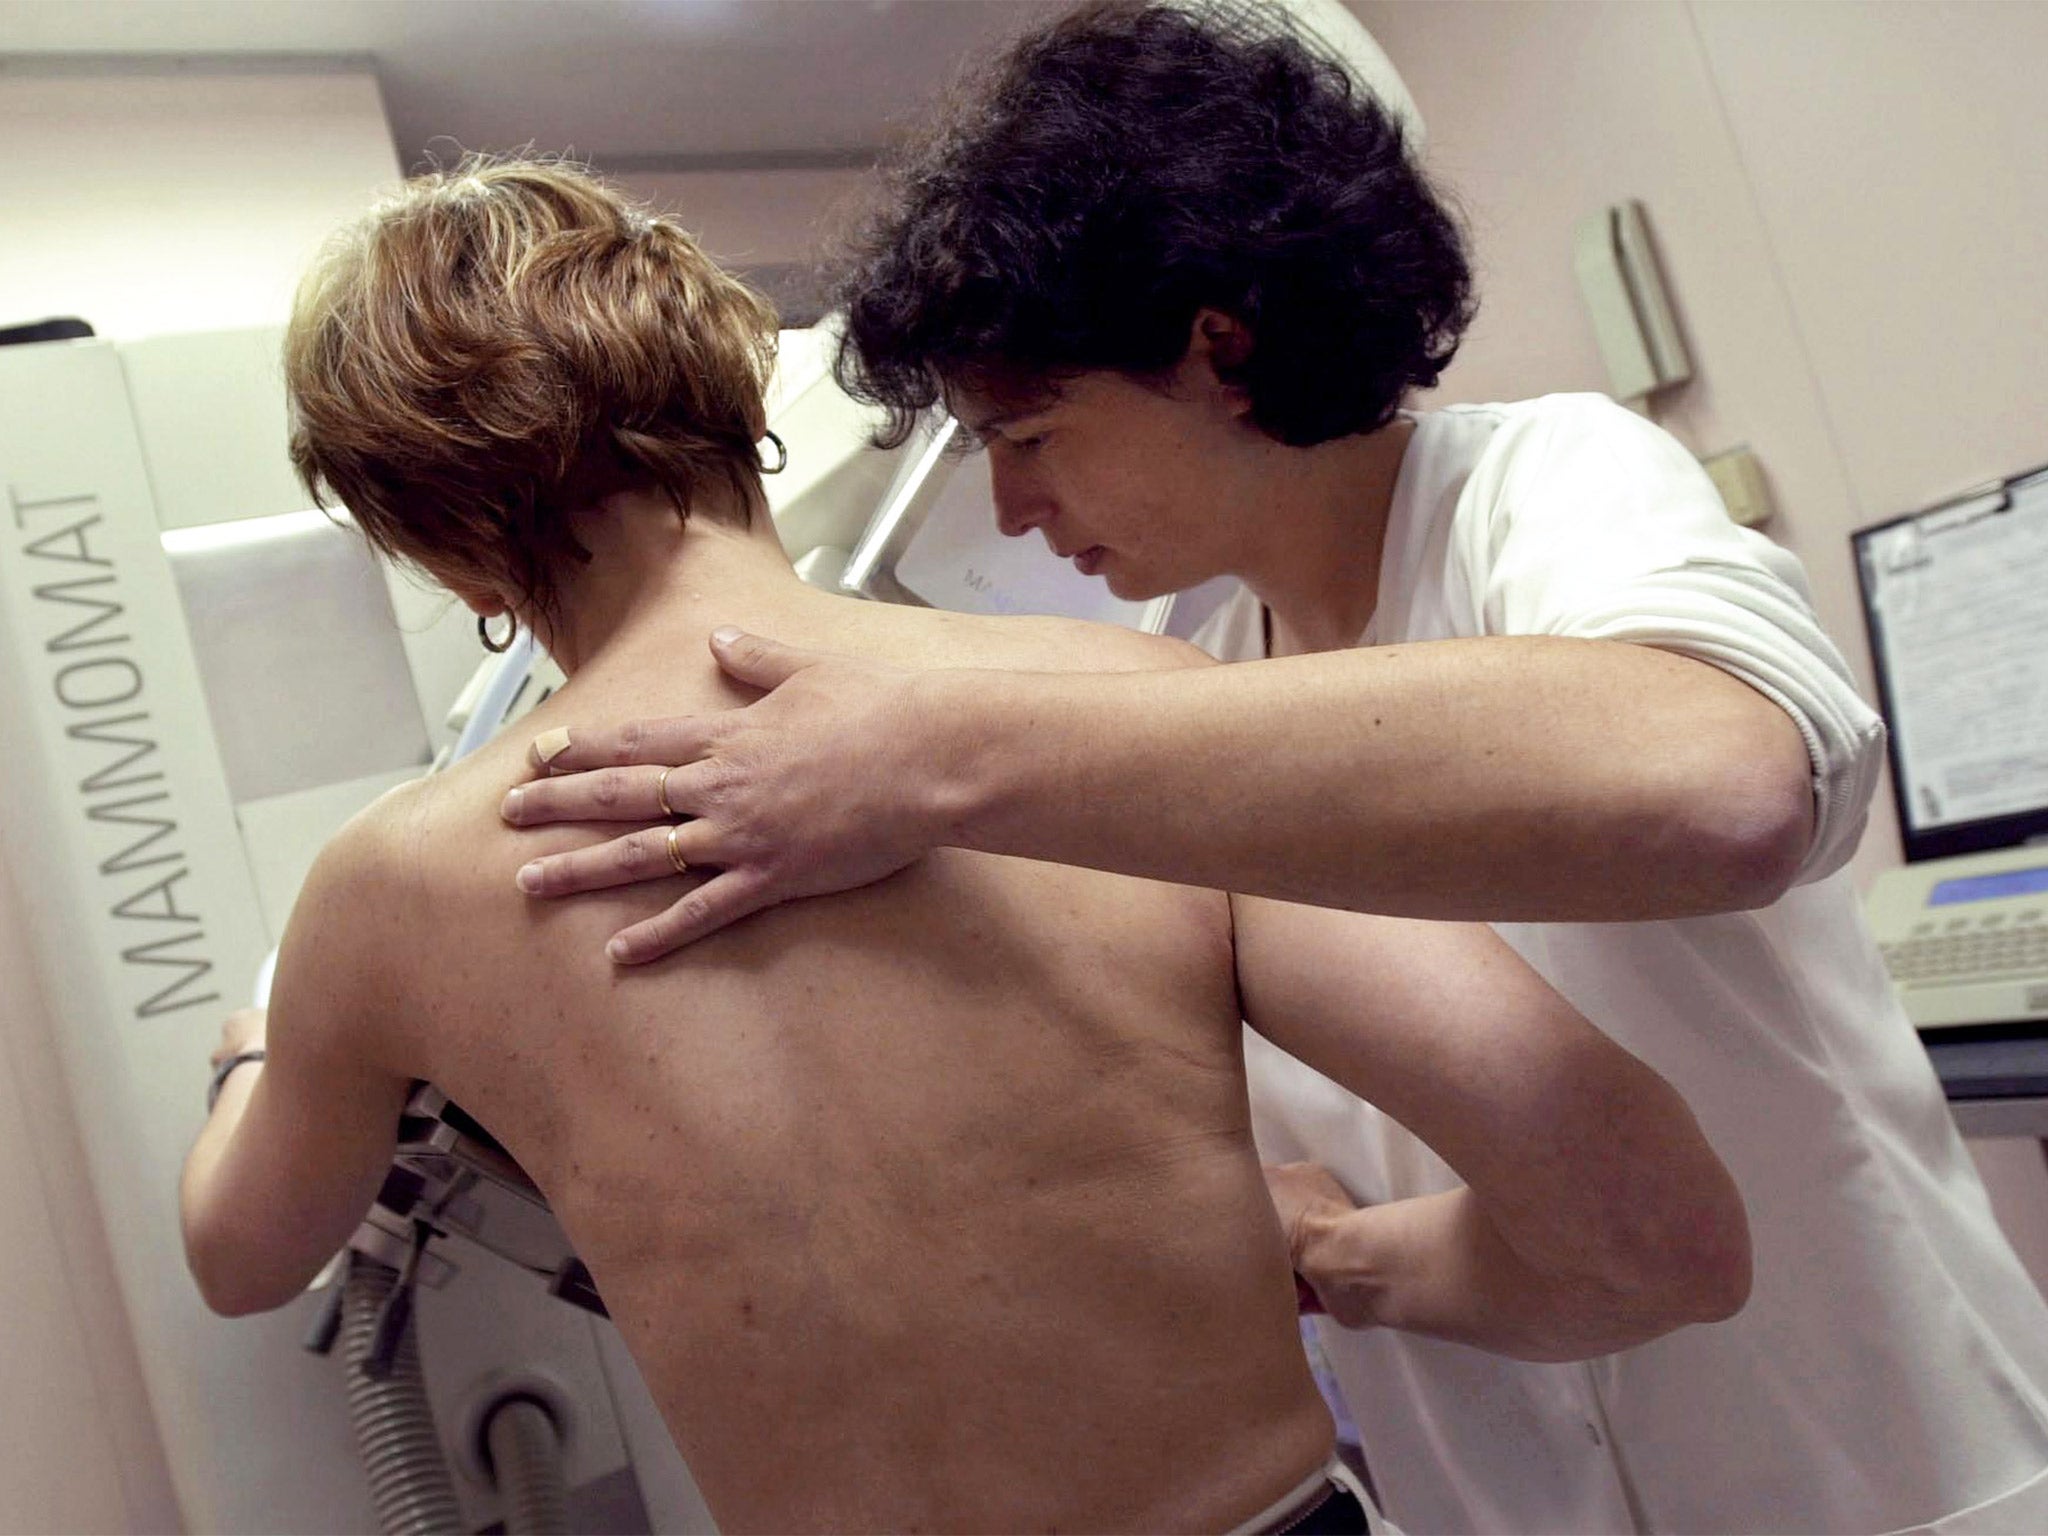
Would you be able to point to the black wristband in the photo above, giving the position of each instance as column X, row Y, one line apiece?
column 220, row 1075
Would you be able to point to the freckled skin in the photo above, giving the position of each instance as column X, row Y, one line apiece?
column 929, row 1206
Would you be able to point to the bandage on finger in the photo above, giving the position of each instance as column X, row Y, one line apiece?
column 636, row 743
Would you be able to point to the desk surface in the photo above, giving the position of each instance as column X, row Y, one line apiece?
column 1996, row 1081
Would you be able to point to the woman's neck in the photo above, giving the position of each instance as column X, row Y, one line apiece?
column 650, row 570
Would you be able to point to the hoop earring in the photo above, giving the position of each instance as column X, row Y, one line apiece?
column 782, row 455
column 495, row 647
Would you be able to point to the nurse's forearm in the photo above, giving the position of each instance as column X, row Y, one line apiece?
column 1436, row 1265
column 1503, row 779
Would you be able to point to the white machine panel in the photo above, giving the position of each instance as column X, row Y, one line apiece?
column 934, row 541
column 210, row 411
column 117, row 823
column 299, row 654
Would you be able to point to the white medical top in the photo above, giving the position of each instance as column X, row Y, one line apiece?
column 1890, row 1371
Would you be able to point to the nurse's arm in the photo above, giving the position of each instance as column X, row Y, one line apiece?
column 294, row 1151
column 1594, row 1216
column 1509, row 778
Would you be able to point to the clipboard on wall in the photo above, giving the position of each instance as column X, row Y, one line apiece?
column 1955, row 599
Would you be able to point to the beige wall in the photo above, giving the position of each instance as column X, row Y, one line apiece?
column 753, row 218
column 1848, row 201
column 773, row 227
column 147, row 201
column 167, row 198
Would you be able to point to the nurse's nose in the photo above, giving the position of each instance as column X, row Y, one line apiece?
column 1020, row 506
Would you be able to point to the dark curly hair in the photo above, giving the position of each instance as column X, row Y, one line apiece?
column 1128, row 166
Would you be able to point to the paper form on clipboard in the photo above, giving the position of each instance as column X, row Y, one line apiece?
column 1960, row 599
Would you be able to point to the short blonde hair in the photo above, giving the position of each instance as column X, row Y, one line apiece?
column 500, row 345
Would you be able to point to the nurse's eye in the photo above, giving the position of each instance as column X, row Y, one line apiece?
column 1031, row 443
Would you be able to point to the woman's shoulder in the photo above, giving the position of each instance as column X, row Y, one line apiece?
column 1082, row 645
column 1035, row 643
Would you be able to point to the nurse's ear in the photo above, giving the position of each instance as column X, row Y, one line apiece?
column 1219, row 346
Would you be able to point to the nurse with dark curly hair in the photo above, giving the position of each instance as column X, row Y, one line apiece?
column 1511, row 662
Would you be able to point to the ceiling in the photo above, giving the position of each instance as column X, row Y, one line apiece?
column 628, row 84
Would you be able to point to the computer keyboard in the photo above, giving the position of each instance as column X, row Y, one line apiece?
column 2017, row 949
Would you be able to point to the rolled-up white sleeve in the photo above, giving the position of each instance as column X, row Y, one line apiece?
column 1593, row 523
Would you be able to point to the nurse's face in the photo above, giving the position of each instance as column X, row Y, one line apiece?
column 1130, row 481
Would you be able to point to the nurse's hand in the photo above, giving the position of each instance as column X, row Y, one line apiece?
column 826, row 782
column 1312, row 1207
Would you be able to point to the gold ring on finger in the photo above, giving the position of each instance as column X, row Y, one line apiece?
column 661, row 795
column 675, row 855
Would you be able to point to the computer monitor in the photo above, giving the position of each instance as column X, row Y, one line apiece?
column 1956, row 602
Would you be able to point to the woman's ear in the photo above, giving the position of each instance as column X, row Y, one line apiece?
column 1219, row 345
column 485, row 605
